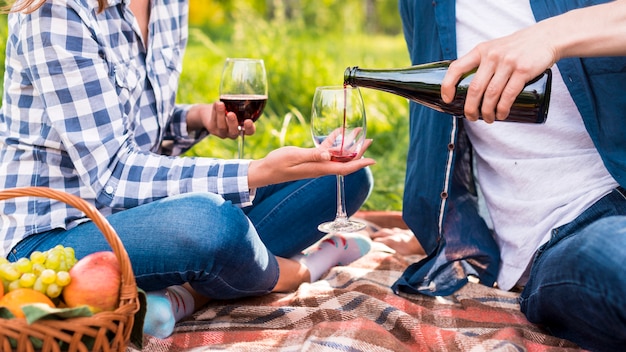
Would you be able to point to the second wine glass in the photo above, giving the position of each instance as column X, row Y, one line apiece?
column 338, row 122
column 243, row 89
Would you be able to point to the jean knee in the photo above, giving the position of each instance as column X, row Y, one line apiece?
column 202, row 224
column 219, row 220
column 232, row 260
column 603, row 250
column 583, row 269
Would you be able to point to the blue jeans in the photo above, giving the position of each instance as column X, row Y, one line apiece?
column 201, row 239
column 577, row 285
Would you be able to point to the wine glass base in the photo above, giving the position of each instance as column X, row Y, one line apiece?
column 341, row 226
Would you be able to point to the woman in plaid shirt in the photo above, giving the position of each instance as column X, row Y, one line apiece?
column 89, row 109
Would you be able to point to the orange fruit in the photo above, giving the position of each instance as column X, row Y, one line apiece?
column 14, row 300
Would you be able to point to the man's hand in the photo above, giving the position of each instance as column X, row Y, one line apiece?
column 504, row 66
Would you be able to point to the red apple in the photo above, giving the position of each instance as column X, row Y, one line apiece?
column 95, row 282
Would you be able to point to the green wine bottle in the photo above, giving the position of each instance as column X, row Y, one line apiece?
column 422, row 84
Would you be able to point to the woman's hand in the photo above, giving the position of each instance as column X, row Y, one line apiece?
column 294, row 163
column 215, row 119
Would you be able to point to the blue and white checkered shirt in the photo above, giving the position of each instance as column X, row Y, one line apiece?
column 86, row 110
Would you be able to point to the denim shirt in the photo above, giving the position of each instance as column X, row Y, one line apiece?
column 440, row 201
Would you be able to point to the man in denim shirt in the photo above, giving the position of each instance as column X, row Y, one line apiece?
column 552, row 190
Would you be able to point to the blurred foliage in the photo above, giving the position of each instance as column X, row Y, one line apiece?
column 304, row 44
column 345, row 16
column 300, row 53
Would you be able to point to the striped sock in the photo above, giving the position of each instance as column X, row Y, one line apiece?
column 165, row 308
column 338, row 249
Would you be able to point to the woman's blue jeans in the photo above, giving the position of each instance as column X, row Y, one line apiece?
column 201, row 239
column 577, row 286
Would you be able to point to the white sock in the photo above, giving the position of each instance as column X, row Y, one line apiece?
column 337, row 249
column 165, row 308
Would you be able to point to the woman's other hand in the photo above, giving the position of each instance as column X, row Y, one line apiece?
column 218, row 122
column 295, row 163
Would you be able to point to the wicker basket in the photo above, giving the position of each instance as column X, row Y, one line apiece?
column 108, row 331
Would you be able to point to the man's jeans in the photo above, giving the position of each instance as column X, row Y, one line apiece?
column 577, row 286
column 201, row 239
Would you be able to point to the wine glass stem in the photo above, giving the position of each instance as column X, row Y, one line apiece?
column 240, row 141
column 341, row 201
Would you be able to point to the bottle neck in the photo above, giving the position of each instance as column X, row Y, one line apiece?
column 349, row 74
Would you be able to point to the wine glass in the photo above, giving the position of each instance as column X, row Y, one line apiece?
column 338, row 122
column 243, row 89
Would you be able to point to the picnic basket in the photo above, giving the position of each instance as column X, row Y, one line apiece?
column 104, row 331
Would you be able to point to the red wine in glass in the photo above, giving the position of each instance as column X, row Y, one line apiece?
column 246, row 107
column 342, row 157
column 243, row 89
column 338, row 123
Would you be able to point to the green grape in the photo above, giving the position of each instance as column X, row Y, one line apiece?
column 48, row 276
column 14, row 285
column 63, row 278
column 53, row 290
column 27, row 280
column 56, row 252
column 70, row 257
column 62, row 266
column 59, row 247
column 38, row 257
column 69, row 252
column 38, row 268
column 43, row 271
column 23, row 265
column 8, row 272
column 40, row 286
column 53, row 260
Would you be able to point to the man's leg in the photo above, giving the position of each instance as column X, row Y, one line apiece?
column 577, row 288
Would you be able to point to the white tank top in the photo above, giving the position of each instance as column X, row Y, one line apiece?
column 534, row 177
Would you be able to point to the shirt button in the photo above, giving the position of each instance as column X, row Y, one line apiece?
column 451, row 146
column 108, row 189
column 444, row 195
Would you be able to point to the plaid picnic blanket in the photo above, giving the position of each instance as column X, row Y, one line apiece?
column 353, row 309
